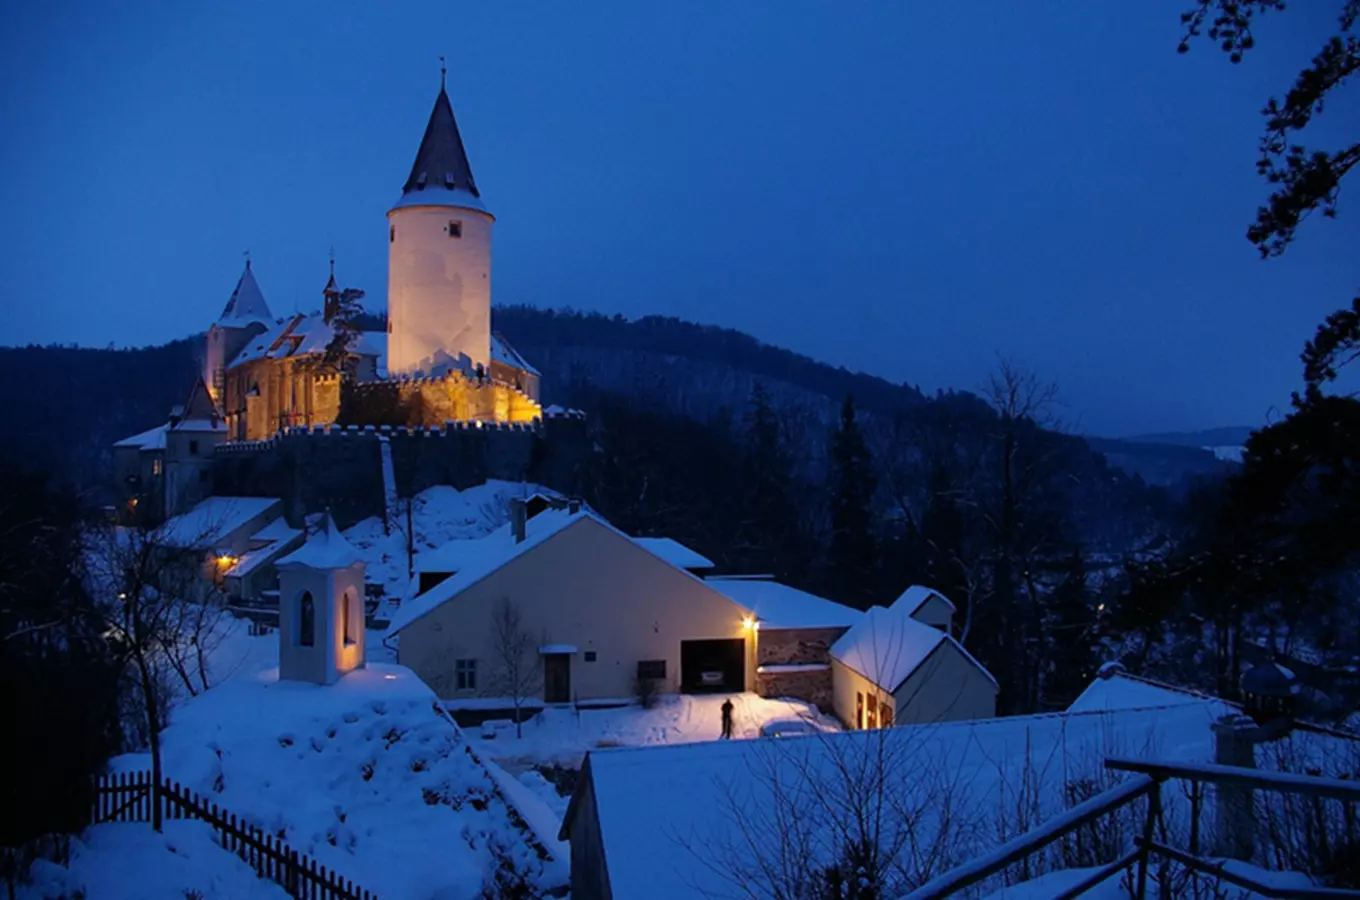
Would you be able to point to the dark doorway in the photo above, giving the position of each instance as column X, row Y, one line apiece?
column 713, row 666
column 556, row 677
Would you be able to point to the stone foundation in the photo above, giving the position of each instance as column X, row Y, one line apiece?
column 812, row 684
column 796, row 662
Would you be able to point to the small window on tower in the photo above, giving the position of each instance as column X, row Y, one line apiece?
column 420, row 182
column 455, row 229
column 193, row 448
column 448, row 181
column 392, row 235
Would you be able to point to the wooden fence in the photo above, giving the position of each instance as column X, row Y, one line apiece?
column 129, row 797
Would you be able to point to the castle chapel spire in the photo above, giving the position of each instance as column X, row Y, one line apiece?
column 247, row 303
column 441, row 161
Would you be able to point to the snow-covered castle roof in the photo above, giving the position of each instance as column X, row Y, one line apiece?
column 246, row 305
column 441, row 174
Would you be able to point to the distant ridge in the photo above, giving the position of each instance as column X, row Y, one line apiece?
column 1226, row 436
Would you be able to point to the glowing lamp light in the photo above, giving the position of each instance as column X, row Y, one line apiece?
column 390, row 677
column 750, row 623
column 226, row 560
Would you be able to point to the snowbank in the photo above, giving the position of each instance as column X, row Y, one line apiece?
column 366, row 775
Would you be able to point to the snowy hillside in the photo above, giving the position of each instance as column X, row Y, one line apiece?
column 438, row 515
column 366, row 775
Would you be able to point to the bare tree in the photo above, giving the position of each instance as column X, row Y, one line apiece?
column 161, row 611
column 518, row 664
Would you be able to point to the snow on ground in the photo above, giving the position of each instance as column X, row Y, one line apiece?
column 129, row 861
column 366, row 775
column 440, row 514
column 562, row 736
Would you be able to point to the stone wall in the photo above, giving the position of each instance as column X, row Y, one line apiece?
column 328, row 467
column 796, row 662
column 795, row 646
column 812, row 684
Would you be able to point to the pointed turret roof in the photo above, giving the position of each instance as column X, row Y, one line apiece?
column 441, row 174
column 247, row 303
column 326, row 549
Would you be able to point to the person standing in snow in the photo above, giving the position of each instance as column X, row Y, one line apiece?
column 727, row 718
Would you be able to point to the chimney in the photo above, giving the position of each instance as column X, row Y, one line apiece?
column 518, row 518
column 574, row 506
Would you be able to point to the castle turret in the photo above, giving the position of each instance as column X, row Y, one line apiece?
column 245, row 316
column 439, row 259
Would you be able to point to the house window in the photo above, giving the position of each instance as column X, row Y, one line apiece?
column 306, row 621
column 885, row 714
column 651, row 669
column 455, row 229
column 465, row 675
column 590, row 656
column 859, row 709
column 871, row 718
column 347, row 620
column 193, row 448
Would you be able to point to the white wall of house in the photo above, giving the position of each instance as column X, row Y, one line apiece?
column 588, row 587
column 946, row 686
column 935, row 612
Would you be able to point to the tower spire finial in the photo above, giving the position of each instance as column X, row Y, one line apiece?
column 443, row 70
column 246, row 254
column 332, row 262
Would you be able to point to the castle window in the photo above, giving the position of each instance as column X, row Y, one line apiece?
column 306, row 621
column 465, row 674
column 155, row 467
column 193, row 448
column 392, row 235
column 590, row 656
column 455, row 229
column 202, row 476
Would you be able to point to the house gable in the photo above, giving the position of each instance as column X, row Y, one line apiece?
column 588, row 587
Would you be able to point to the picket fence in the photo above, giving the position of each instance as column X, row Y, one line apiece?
column 129, row 797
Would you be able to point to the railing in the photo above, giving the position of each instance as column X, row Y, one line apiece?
column 1146, row 781
column 129, row 797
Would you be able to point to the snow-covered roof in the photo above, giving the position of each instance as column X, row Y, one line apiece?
column 482, row 557
column 674, row 552
column 695, row 790
column 299, row 336
column 916, row 596
column 213, row 520
column 888, row 645
column 151, row 439
column 777, row 605
column 457, row 555
column 502, row 352
column 438, row 196
column 246, row 305
column 326, row 549
column 492, row 556
column 1114, row 689
column 277, row 530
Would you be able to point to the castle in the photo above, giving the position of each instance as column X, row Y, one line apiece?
column 273, row 388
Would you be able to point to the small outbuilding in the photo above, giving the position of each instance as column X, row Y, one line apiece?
column 321, row 608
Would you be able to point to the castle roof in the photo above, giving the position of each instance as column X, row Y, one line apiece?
column 246, row 305
column 299, row 336
column 441, row 174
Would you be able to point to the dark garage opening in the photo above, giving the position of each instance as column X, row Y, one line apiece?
column 715, row 665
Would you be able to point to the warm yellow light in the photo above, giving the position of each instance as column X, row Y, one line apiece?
column 749, row 623
column 226, row 560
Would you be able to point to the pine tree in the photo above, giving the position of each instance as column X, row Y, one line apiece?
column 853, row 555
column 768, row 533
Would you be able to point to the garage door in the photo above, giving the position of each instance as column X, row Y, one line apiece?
column 716, row 665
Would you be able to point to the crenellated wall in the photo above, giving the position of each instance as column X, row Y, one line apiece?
column 340, row 468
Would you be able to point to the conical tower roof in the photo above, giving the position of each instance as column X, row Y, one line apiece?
column 247, row 303
column 441, row 174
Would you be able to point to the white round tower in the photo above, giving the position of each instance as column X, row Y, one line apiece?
column 439, row 260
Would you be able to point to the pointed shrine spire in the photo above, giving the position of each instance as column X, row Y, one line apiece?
column 247, row 302
column 441, row 162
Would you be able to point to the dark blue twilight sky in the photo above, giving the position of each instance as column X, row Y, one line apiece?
column 903, row 187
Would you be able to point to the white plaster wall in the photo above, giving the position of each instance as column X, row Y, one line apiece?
column 945, row 688
column 438, row 289
column 586, row 586
column 935, row 613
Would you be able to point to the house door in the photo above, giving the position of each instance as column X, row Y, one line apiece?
column 556, row 677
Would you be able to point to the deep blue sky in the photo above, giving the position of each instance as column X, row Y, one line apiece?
column 907, row 188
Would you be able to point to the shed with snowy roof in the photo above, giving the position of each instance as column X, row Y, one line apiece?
column 892, row 668
column 321, row 608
